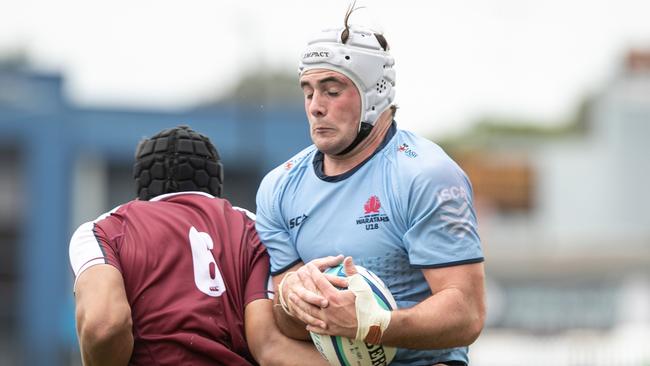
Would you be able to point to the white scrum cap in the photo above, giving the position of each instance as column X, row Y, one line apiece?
column 362, row 59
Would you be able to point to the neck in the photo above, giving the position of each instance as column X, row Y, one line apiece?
column 339, row 164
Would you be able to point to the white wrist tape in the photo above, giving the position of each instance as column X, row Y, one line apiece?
column 372, row 319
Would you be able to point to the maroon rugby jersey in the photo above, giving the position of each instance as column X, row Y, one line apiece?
column 187, row 300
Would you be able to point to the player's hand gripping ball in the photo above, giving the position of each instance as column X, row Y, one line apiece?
column 345, row 351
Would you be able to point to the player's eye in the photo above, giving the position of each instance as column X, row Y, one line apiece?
column 307, row 91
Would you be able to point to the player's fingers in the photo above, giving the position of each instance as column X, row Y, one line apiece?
column 309, row 296
column 348, row 266
column 305, row 312
column 317, row 330
column 322, row 284
column 304, row 274
column 326, row 262
column 337, row 281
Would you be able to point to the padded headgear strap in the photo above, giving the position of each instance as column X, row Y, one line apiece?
column 177, row 160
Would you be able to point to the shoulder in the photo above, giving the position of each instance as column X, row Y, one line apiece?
column 250, row 215
column 418, row 158
column 85, row 248
column 115, row 214
column 287, row 170
column 205, row 201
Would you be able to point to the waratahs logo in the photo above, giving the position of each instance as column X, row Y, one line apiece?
column 372, row 206
column 372, row 215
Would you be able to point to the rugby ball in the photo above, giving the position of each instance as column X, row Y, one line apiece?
column 349, row 352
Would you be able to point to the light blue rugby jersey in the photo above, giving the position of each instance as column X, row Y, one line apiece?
column 408, row 207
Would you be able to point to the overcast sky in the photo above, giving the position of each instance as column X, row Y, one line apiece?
column 455, row 60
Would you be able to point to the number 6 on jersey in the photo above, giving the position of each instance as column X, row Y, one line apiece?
column 206, row 273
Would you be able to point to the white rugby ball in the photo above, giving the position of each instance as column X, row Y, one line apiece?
column 349, row 352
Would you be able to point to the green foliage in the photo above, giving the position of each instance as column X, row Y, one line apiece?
column 263, row 85
column 12, row 60
column 493, row 131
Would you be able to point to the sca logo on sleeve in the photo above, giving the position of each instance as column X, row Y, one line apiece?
column 296, row 221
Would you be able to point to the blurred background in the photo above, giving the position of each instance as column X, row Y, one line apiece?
column 545, row 104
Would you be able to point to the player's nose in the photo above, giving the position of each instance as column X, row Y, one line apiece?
column 317, row 107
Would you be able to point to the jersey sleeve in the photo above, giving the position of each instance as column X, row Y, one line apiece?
column 89, row 246
column 257, row 285
column 271, row 228
column 442, row 226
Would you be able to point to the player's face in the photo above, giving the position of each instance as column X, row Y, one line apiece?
column 333, row 107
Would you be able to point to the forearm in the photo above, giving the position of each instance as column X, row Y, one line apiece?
column 268, row 346
column 103, row 315
column 447, row 319
column 288, row 325
column 106, row 347
column 282, row 351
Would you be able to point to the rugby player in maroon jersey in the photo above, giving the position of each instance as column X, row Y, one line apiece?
column 177, row 276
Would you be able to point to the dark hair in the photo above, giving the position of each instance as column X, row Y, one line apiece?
column 177, row 160
column 380, row 38
column 393, row 109
column 346, row 32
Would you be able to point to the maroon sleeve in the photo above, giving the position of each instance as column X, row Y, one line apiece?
column 108, row 246
column 257, row 286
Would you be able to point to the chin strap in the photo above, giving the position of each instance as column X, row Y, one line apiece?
column 364, row 131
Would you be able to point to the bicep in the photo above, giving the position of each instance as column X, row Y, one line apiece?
column 441, row 222
column 462, row 289
column 468, row 278
column 273, row 231
column 100, row 296
column 258, row 324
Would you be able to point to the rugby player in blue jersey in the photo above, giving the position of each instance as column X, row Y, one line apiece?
column 392, row 200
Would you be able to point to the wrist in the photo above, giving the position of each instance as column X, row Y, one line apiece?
column 372, row 319
column 373, row 329
column 284, row 303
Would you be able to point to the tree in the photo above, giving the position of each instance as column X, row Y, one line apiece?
column 262, row 86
